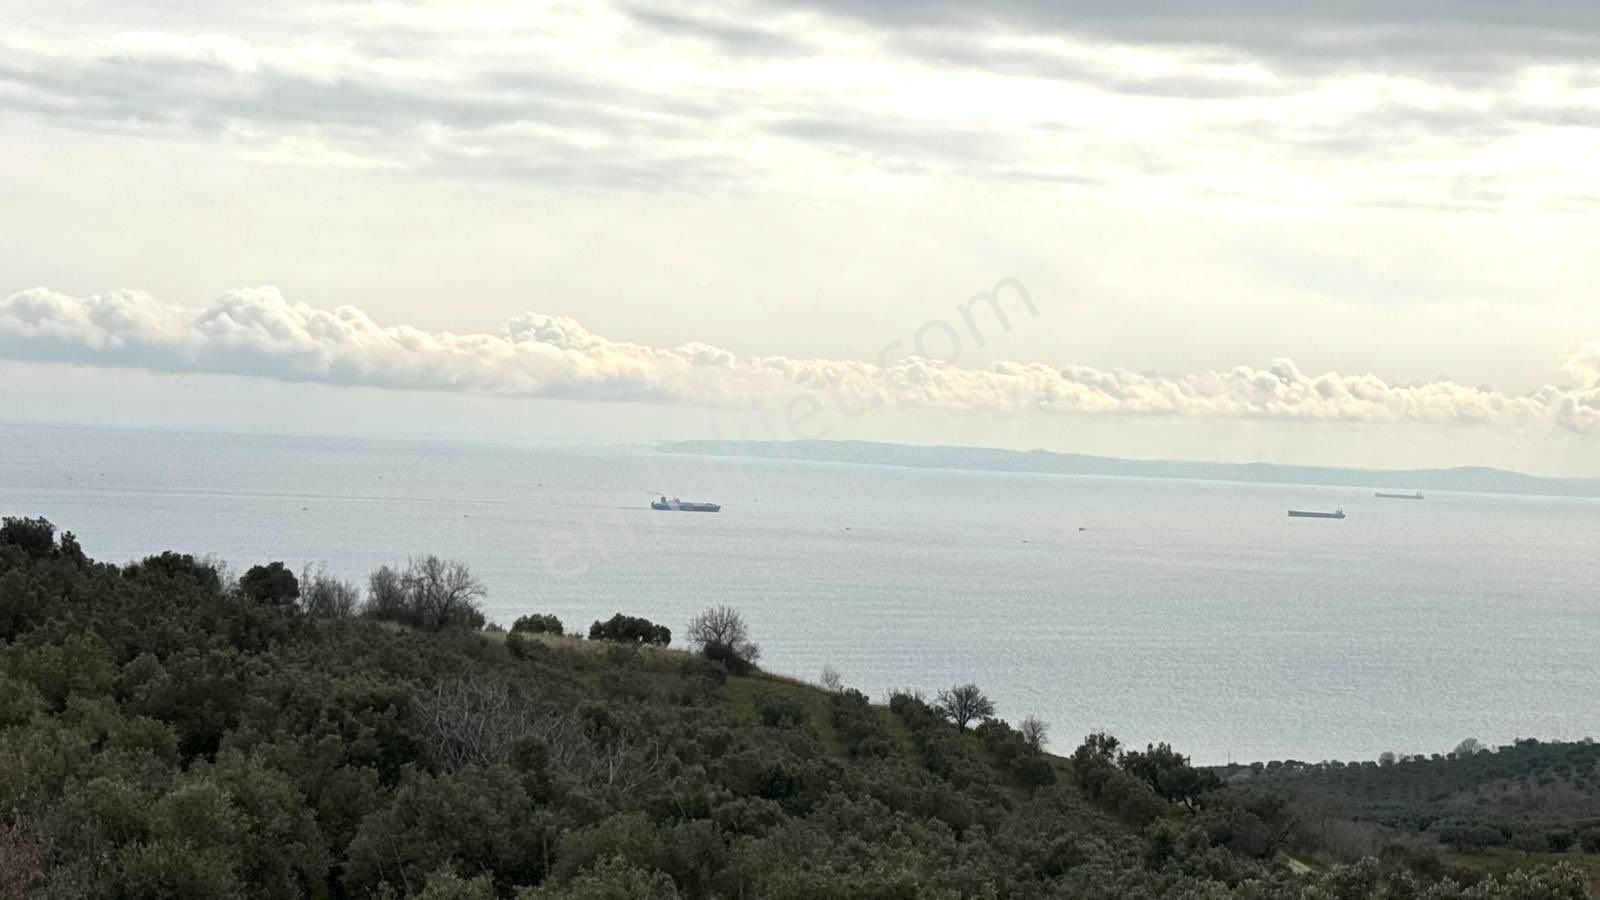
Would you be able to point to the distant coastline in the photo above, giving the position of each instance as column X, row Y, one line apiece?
column 1482, row 480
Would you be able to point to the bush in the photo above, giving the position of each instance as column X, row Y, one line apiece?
column 634, row 630
column 777, row 710
column 1590, row 840
column 858, row 725
column 537, row 623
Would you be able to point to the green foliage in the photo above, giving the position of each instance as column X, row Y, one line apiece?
column 34, row 537
column 537, row 623
column 632, row 630
column 779, row 710
column 273, row 583
column 1169, row 774
column 160, row 738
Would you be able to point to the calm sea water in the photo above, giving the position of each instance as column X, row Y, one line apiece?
column 1193, row 612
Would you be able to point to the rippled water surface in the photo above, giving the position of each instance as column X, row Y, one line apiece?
column 1194, row 612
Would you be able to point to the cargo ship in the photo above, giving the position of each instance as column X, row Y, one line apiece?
column 1384, row 495
column 1305, row 514
column 676, row 505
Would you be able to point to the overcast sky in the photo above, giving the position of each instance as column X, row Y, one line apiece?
column 1361, row 233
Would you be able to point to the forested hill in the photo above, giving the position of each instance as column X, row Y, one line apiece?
column 169, row 731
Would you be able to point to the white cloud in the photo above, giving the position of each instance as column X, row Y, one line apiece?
column 258, row 332
column 630, row 97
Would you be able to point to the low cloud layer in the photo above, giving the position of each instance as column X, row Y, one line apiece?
column 258, row 332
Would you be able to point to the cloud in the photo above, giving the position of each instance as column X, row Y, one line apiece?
column 1476, row 39
column 1137, row 100
column 258, row 332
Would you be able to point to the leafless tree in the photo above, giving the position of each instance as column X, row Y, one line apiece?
column 720, row 634
column 321, row 594
column 832, row 680
column 21, row 864
column 431, row 593
column 386, row 595
column 473, row 721
column 1035, row 732
column 964, row 704
column 476, row 720
column 443, row 592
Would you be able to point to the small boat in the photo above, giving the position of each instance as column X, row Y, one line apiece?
column 1383, row 495
column 1307, row 514
column 676, row 505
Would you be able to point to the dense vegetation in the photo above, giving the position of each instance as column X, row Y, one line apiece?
column 1529, row 798
column 166, row 731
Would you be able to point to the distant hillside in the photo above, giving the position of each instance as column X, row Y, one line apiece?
column 1473, row 479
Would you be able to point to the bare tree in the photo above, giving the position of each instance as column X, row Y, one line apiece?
column 21, row 864
column 386, row 595
column 720, row 634
column 1467, row 748
column 832, row 680
column 476, row 720
column 964, row 704
column 431, row 593
column 473, row 721
column 321, row 594
column 1035, row 732
column 443, row 592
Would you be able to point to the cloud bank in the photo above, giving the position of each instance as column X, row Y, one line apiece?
column 258, row 332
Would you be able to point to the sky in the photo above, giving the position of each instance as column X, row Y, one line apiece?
column 1359, row 234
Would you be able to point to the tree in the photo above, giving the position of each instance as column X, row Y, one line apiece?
column 323, row 595
column 1169, row 774
column 720, row 634
column 964, row 704
column 537, row 623
column 273, row 584
column 1035, row 732
column 1387, row 758
column 431, row 593
column 1468, row 748
column 443, row 593
column 832, row 680
column 35, row 537
column 634, row 630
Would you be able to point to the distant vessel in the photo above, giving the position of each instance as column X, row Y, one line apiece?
column 1304, row 514
column 676, row 505
column 1382, row 495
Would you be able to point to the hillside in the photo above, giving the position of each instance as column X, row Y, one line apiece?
column 1471, row 479
column 1479, row 806
column 169, row 731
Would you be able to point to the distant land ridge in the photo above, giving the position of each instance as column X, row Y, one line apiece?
column 1475, row 479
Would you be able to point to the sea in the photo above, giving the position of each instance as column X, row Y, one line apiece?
column 1191, row 612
